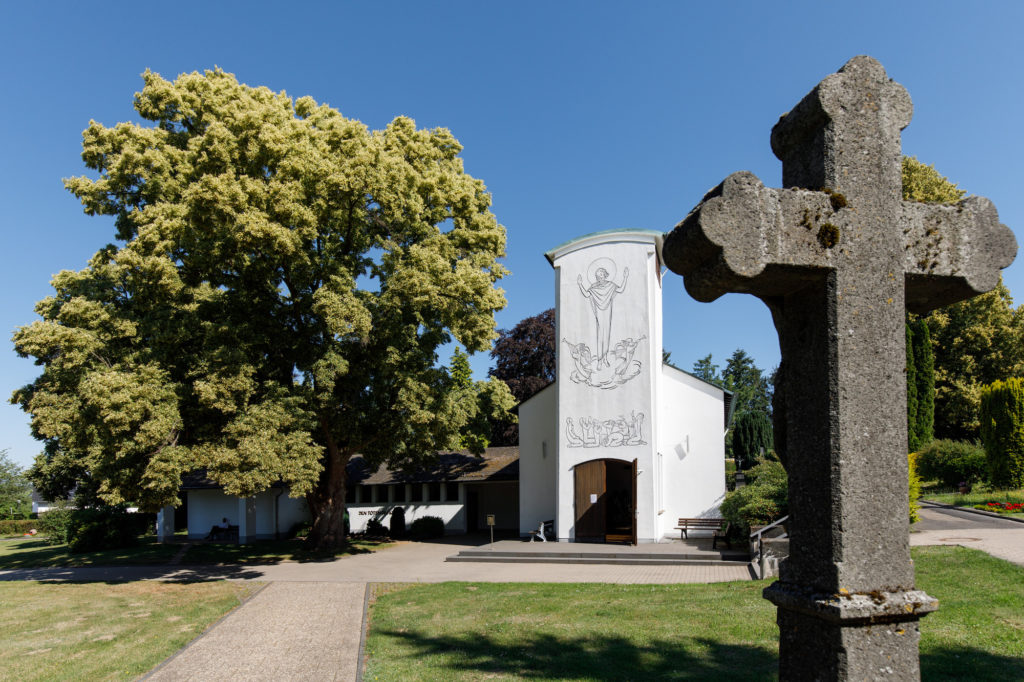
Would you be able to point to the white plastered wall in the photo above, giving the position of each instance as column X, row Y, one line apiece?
column 538, row 442
column 692, row 449
column 253, row 515
column 635, row 318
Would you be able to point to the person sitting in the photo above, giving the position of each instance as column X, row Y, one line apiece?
column 219, row 530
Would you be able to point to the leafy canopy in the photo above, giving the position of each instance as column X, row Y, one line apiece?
column 15, row 489
column 281, row 282
column 975, row 342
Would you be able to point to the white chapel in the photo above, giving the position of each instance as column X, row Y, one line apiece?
column 621, row 445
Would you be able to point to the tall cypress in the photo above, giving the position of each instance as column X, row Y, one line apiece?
column 924, row 366
column 913, row 441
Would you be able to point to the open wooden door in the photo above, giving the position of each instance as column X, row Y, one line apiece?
column 590, row 501
column 633, row 505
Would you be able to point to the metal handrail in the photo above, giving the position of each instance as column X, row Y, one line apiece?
column 771, row 525
column 760, row 540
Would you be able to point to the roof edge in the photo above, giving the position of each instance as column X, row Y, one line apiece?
column 627, row 234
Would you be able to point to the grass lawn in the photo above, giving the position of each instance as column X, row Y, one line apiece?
column 979, row 496
column 462, row 631
column 100, row 631
column 274, row 551
column 35, row 552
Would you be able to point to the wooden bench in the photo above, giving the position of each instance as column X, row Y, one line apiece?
column 545, row 530
column 719, row 528
column 229, row 534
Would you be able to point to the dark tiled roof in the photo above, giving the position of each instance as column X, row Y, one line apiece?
column 496, row 464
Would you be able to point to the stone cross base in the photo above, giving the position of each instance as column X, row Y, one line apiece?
column 856, row 636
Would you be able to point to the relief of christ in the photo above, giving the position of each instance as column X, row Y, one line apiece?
column 602, row 294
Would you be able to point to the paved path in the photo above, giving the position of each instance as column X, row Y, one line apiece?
column 289, row 631
column 1001, row 538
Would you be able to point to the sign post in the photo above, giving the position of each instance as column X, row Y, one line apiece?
column 490, row 522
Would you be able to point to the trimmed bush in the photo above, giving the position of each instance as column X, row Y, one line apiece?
column 91, row 530
column 17, row 526
column 952, row 462
column 764, row 499
column 376, row 529
column 56, row 523
column 427, row 527
column 914, row 487
column 1002, row 431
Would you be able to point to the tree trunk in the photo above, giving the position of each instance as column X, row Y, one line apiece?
column 327, row 502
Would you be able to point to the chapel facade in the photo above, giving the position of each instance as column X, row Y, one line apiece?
column 622, row 445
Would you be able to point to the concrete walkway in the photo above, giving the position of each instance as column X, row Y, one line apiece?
column 289, row 631
column 999, row 537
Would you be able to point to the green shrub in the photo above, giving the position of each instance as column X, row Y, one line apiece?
column 427, row 527
column 952, row 462
column 764, row 499
column 1002, row 431
column 17, row 526
column 56, row 523
column 913, row 487
column 99, row 528
column 375, row 528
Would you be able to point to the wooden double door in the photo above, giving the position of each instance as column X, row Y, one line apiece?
column 606, row 501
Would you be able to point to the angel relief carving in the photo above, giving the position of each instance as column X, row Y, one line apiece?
column 588, row 432
column 603, row 365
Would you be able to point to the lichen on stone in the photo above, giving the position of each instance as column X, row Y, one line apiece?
column 828, row 235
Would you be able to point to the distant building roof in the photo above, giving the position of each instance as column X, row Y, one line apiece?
column 496, row 464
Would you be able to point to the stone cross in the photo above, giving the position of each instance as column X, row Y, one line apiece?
column 838, row 257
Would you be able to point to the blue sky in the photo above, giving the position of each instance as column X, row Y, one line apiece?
column 579, row 116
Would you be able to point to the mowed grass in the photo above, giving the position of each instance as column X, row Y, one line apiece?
column 36, row 552
column 462, row 631
column 99, row 631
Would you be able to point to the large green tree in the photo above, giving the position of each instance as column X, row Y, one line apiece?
column 975, row 342
column 281, row 282
column 15, row 489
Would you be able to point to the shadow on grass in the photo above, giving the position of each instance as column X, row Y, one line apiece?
column 124, row 574
column 604, row 658
column 37, row 553
column 616, row 658
column 968, row 663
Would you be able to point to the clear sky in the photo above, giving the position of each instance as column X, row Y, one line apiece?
column 579, row 116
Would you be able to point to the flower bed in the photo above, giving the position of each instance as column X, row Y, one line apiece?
column 1002, row 507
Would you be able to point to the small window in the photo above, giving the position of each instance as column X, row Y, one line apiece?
column 364, row 493
column 434, row 492
column 417, row 492
column 452, row 492
column 399, row 492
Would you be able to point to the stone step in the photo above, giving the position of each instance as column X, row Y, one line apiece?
column 586, row 559
column 734, row 555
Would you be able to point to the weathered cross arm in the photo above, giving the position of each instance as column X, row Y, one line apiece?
column 838, row 265
column 747, row 238
column 952, row 252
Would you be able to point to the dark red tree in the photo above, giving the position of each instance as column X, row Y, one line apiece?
column 525, row 360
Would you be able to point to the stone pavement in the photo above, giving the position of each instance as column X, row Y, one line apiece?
column 999, row 537
column 289, row 631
